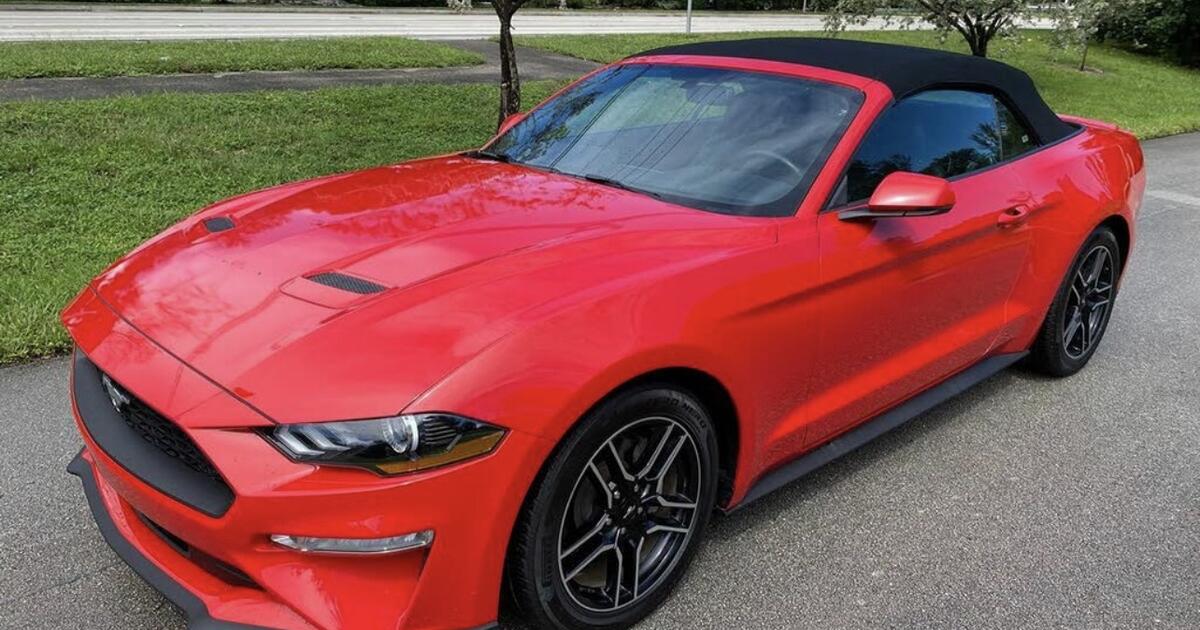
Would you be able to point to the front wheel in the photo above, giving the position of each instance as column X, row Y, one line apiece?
column 616, row 516
column 1079, row 315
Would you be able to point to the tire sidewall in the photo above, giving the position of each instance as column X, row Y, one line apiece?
column 558, row 483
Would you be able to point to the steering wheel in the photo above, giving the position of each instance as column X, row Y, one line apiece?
column 779, row 158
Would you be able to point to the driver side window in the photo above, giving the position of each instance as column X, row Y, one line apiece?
column 945, row 133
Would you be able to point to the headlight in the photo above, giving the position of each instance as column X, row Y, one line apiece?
column 388, row 446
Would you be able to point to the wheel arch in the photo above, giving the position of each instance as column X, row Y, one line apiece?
column 716, row 398
column 712, row 394
column 1120, row 228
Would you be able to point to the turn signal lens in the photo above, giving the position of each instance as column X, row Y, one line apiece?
column 355, row 545
column 388, row 446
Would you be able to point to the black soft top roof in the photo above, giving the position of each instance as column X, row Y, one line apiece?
column 904, row 69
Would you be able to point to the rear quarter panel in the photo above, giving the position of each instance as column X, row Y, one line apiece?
column 1096, row 175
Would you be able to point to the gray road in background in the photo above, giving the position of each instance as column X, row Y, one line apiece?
column 1024, row 503
column 536, row 65
column 144, row 23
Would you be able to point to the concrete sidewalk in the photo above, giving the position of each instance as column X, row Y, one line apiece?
column 535, row 65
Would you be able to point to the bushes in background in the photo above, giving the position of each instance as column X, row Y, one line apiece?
column 1169, row 28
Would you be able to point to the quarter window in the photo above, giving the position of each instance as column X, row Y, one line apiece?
column 939, row 132
column 1015, row 138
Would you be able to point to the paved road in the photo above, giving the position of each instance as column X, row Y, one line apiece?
column 230, row 24
column 536, row 64
column 143, row 23
column 1025, row 503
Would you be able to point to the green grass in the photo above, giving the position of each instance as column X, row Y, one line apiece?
column 1147, row 96
column 109, row 59
column 83, row 181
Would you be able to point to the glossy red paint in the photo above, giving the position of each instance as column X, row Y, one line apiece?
column 907, row 192
column 523, row 298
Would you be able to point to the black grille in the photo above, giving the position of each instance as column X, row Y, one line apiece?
column 346, row 283
column 143, row 442
column 217, row 567
column 218, row 224
column 165, row 436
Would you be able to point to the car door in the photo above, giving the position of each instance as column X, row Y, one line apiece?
column 907, row 302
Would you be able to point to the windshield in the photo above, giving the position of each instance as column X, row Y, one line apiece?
column 716, row 139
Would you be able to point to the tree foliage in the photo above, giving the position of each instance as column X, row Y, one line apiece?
column 1076, row 23
column 978, row 21
column 1168, row 28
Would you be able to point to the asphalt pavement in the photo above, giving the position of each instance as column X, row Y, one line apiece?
column 1025, row 503
column 536, row 65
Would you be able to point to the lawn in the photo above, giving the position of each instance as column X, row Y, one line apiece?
column 108, row 59
column 1147, row 96
column 83, row 181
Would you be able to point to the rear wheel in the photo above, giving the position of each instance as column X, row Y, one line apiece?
column 1079, row 315
column 615, row 519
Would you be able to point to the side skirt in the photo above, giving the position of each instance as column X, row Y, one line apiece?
column 877, row 426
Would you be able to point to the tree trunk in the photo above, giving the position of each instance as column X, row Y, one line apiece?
column 1083, row 59
column 979, row 44
column 510, row 81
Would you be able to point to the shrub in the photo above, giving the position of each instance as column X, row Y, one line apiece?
column 1170, row 28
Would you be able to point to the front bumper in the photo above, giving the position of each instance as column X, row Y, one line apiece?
column 119, row 537
column 222, row 568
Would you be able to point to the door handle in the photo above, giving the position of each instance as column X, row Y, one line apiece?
column 1015, row 215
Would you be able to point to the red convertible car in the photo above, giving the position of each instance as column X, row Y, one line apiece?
column 531, row 372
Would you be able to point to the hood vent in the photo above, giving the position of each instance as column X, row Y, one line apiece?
column 346, row 283
column 218, row 224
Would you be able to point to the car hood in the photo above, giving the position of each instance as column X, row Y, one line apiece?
column 460, row 250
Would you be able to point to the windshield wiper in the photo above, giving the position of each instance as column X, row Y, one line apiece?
column 608, row 181
column 489, row 155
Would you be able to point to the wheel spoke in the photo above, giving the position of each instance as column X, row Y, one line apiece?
column 675, row 503
column 660, row 472
column 1094, row 320
column 637, row 567
column 588, row 560
column 602, row 483
column 1076, row 293
column 658, row 449
column 1097, row 267
column 1073, row 325
column 591, row 533
column 666, row 526
column 618, row 576
column 1085, row 333
column 1080, row 284
column 617, row 462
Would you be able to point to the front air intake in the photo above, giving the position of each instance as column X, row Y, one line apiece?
column 346, row 283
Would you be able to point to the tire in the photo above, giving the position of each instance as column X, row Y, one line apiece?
column 568, row 512
column 1069, row 335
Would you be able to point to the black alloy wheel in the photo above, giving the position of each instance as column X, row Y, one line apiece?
column 614, row 520
column 1080, row 313
column 1088, row 302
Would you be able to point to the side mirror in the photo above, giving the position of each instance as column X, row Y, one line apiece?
column 508, row 123
column 904, row 194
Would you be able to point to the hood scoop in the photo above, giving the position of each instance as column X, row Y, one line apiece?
column 331, row 289
column 218, row 224
column 345, row 282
